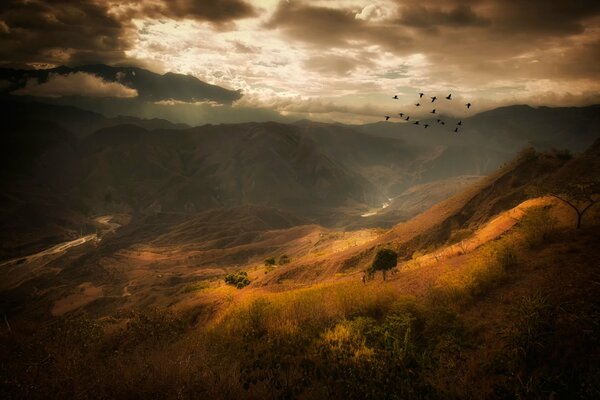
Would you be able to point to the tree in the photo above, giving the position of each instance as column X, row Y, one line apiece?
column 270, row 261
column 385, row 259
column 580, row 196
column 238, row 279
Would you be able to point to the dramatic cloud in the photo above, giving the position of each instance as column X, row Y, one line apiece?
column 60, row 31
column 76, row 84
column 434, row 17
column 341, row 55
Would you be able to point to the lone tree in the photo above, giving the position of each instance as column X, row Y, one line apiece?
column 580, row 196
column 385, row 259
column 270, row 261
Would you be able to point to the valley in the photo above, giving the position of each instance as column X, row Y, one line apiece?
column 132, row 233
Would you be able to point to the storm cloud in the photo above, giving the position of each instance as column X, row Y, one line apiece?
column 349, row 54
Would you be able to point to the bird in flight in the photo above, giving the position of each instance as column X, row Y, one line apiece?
column 459, row 123
column 468, row 105
column 418, row 104
column 434, row 98
column 455, row 130
column 421, row 95
column 449, row 97
column 395, row 97
column 426, row 125
column 443, row 123
column 416, row 122
column 433, row 111
column 387, row 117
column 401, row 115
column 407, row 117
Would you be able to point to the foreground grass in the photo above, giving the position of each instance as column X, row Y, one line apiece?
column 347, row 340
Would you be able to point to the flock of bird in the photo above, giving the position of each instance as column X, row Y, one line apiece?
column 433, row 111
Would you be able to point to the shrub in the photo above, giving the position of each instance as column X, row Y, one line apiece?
column 385, row 259
column 531, row 327
column 238, row 279
column 537, row 225
column 284, row 259
column 155, row 326
column 270, row 261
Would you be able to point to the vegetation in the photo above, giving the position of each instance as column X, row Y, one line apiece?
column 580, row 196
column 238, row 279
column 270, row 261
column 538, row 225
column 284, row 259
column 385, row 259
column 479, row 332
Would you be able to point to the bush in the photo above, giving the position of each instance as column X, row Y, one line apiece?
column 532, row 325
column 537, row 225
column 270, row 261
column 238, row 279
column 385, row 259
column 284, row 259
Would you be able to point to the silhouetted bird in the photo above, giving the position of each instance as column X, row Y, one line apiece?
column 449, row 97
column 426, row 125
column 455, row 130
column 433, row 111
column 401, row 115
column 443, row 123
column 407, row 117
column 395, row 97
column 418, row 104
column 459, row 123
column 433, row 99
column 416, row 122
column 438, row 120
column 387, row 117
column 468, row 105
column 421, row 95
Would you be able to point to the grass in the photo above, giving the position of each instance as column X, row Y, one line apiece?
column 332, row 340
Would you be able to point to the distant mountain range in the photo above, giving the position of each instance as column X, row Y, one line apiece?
column 79, row 163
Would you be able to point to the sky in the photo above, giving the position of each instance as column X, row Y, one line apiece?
column 329, row 60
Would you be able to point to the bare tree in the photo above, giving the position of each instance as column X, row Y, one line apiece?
column 580, row 196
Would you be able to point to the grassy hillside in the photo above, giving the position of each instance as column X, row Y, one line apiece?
column 515, row 317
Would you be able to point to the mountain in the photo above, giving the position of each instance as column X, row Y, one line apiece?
column 331, row 174
column 504, row 128
column 149, row 86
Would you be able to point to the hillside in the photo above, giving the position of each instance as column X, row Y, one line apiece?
column 510, row 310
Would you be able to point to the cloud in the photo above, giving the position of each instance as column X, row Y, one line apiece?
column 330, row 27
column 75, row 84
column 60, row 31
column 432, row 18
column 92, row 31
column 335, row 64
column 371, row 12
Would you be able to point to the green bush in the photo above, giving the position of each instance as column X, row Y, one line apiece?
column 238, row 279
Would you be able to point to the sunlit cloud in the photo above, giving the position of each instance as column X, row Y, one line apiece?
column 293, row 55
column 75, row 84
